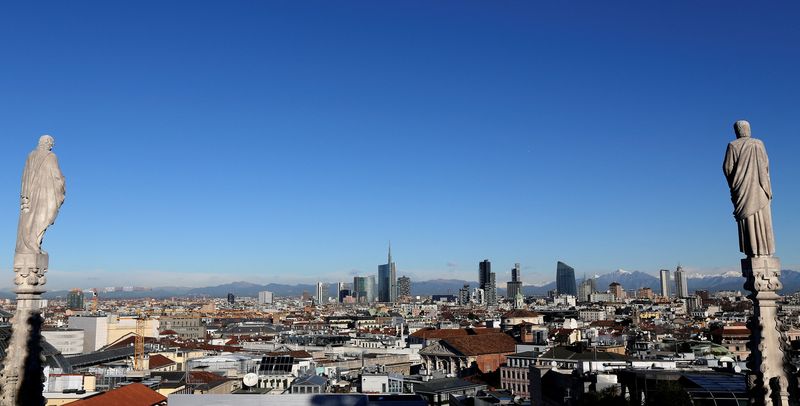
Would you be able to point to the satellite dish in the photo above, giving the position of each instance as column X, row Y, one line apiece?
column 250, row 379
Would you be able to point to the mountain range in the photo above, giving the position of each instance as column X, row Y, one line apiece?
column 630, row 280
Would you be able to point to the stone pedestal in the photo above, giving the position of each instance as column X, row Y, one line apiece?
column 22, row 372
column 768, row 380
column 29, row 270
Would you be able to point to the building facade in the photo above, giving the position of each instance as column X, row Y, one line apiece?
column 664, row 274
column 265, row 297
column 186, row 327
column 75, row 299
column 681, row 284
column 565, row 279
column 514, row 374
column 387, row 280
column 404, row 286
column 586, row 288
column 514, row 286
column 364, row 289
column 321, row 294
column 486, row 281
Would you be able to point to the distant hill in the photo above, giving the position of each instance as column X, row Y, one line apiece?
column 630, row 280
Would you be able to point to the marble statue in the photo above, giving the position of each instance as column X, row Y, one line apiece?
column 770, row 377
column 41, row 196
column 746, row 168
column 40, row 199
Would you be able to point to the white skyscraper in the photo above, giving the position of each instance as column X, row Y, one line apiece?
column 665, row 282
column 322, row 293
column 681, row 284
column 265, row 297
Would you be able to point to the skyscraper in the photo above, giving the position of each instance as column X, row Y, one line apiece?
column 387, row 280
column 403, row 286
column 681, row 285
column 339, row 288
column 565, row 279
column 515, row 285
column 586, row 288
column 664, row 282
column 616, row 289
column 75, row 299
column 231, row 298
column 265, row 297
column 464, row 295
column 364, row 289
column 321, row 295
column 486, row 281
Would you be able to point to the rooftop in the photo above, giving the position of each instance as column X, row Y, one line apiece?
column 134, row 394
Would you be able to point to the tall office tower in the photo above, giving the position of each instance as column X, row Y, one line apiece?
column 265, row 297
column 339, row 288
column 664, row 282
column 616, row 289
column 403, row 286
column 322, row 293
column 463, row 295
column 586, row 288
column 75, row 299
column 565, row 279
column 387, row 280
column 681, row 284
column 515, row 285
column 364, row 289
column 372, row 288
column 231, row 298
column 486, row 280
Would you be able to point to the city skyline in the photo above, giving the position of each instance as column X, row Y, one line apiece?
column 283, row 146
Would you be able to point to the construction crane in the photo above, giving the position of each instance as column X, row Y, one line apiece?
column 138, row 345
column 94, row 300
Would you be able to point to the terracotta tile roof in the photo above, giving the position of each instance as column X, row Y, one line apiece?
column 518, row 313
column 433, row 333
column 158, row 361
column 205, row 377
column 496, row 343
column 296, row 354
column 134, row 394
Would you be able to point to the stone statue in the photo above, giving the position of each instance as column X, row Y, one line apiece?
column 42, row 195
column 746, row 168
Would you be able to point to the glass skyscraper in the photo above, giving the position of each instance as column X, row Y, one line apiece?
column 664, row 273
column 486, row 280
column 681, row 284
column 515, row 285
column 364, row 289
column 387, row 280
column 565, row 279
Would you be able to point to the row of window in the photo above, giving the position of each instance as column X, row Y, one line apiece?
column 507, row 373
column 516, row 388
column 519, row 362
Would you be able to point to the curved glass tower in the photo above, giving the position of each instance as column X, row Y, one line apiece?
column 565, row 279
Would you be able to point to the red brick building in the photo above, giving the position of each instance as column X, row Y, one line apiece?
column 459, row 355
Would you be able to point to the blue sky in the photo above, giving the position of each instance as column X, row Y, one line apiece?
column 290, row 141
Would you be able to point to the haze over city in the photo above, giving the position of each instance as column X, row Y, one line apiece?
column 290, row 144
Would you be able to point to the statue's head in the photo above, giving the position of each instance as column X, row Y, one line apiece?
column 46, row 142
column 742, row 128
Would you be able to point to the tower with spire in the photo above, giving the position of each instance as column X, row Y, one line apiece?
column 387, row 280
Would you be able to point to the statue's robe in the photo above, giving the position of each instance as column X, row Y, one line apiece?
column 43, row 192
column 746, row 168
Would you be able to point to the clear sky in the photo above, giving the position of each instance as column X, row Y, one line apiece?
column 290, row 141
